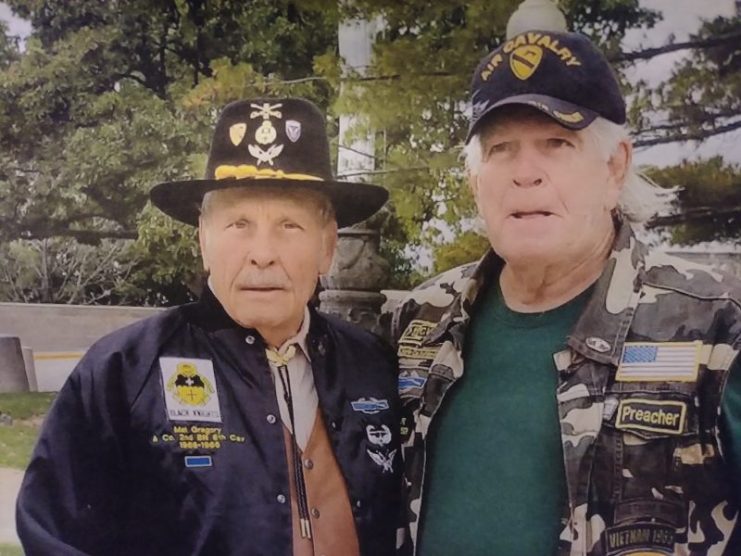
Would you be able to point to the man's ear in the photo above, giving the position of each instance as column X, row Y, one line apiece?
column 473, row 185
column 329, row 243
column 618, row 167
column 203, row 241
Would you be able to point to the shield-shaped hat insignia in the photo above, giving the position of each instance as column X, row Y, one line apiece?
column 525, row 60
column 293, row 130
column 236, row 133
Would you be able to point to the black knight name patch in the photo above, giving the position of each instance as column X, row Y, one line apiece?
column 640, row 538
column 651, row 415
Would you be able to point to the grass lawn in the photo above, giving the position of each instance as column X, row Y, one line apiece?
column 17, row 440
column 10, row 550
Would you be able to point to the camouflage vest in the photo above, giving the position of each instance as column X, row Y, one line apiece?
column 639, row 396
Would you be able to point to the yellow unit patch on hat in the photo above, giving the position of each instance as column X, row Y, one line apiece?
column 190, row 389
column 525, row 60
column 236, row 133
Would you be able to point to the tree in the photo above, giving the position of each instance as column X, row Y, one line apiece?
column 110, row 98
column 708, row 207
column 416, row 93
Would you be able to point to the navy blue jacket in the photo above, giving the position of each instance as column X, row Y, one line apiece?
column 112, row 473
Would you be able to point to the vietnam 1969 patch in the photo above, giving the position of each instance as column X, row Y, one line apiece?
column 651, row 415
column 650, row 539
column 190, row 389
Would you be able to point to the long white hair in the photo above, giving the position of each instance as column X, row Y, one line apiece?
column 640, row 198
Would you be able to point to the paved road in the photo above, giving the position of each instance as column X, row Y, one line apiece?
column 10, row 482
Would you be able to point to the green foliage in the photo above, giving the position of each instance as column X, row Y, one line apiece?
column 708, row 203
column 108, row 100
column 26, row 405
column 18, row 439
column 10, row 550
column 416, row 92
column 56, row 270
column 111, row 98
column 468, row 247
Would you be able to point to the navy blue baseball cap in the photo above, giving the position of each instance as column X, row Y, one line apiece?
column 563, row 75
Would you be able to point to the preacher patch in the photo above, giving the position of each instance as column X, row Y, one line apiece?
column 190, row 389
column 651, row 415
column 647, row 539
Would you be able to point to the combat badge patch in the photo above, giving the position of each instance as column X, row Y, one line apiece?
column 651, row 415
column 659, row 361
column 369, row 406
column 636, row 539
column 190, row 389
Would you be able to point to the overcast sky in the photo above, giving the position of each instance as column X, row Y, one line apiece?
column 681, row 18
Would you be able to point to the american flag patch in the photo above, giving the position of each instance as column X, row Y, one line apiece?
column 659, row 361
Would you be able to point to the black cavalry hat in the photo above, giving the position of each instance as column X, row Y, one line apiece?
column 270, row 142
column 564, row 75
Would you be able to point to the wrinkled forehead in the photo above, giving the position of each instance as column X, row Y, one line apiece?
column 304, row 199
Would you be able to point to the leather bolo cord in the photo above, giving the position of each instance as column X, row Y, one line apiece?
column 281, row 362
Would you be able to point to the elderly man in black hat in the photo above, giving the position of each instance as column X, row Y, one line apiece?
column 574, row 392
column 246, row 423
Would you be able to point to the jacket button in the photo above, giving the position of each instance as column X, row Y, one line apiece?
column 281, row 499
column 333, row 424
column 270, row 418
column 358, row 504
column 250, row 339
column 315, row 512
column 309, row 464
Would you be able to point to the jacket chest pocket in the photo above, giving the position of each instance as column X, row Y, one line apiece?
column 645, row 433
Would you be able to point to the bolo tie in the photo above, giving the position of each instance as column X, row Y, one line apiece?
column 281, row 363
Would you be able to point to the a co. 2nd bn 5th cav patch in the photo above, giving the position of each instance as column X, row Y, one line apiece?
column 651, row 415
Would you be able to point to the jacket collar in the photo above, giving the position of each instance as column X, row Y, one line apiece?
column 603, row 325
column 209, row 314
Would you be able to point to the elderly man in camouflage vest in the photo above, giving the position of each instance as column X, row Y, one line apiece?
column 574, row 392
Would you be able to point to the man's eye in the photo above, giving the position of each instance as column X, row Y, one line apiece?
column 289, row 225
column 499, row 148
column 239, row 224
column 558, row 142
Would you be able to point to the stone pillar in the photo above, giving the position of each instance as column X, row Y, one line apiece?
column 352, row 287
column 12, row 368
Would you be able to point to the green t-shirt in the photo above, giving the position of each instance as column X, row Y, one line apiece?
column 495, row 481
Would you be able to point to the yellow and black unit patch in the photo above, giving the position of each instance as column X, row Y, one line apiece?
column 190, row 389
column 411, row 340
column 651, row 415
column 640, row 539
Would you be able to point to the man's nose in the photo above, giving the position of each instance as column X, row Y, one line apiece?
column 527, row 169
column 262, row 251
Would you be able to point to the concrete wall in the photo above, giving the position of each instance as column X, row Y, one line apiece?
column 59, row 335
